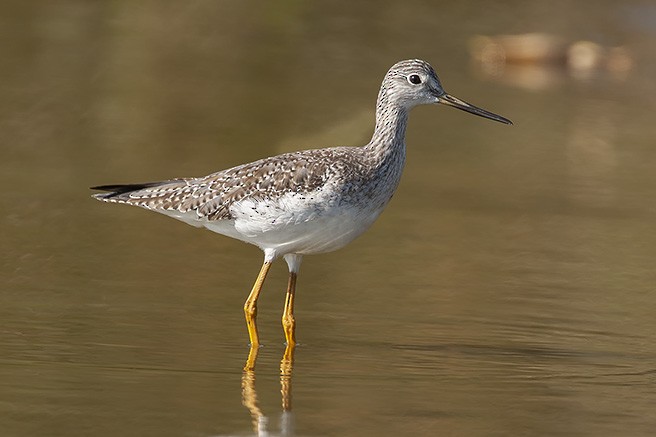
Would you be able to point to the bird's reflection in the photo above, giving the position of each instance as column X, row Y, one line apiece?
column 249, row 394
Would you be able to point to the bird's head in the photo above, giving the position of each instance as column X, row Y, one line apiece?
column 414, row 82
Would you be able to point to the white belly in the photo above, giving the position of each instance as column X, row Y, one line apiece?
column 298, row 223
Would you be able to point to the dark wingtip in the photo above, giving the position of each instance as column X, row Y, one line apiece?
column 117, row 190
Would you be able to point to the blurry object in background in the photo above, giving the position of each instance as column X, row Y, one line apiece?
column 539, row 60
column 529, row 48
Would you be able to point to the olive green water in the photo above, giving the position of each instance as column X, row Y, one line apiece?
column 508, row 289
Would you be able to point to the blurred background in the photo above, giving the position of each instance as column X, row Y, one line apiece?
column 508, row 289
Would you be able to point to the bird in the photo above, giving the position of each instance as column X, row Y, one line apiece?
column 306, row 202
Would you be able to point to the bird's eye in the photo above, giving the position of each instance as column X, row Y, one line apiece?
column 414, row 79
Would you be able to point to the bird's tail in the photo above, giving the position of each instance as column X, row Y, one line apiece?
column 117, row 192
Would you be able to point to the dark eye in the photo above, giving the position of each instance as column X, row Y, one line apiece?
column 414, row 79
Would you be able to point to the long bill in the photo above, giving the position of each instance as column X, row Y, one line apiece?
column 449, row 100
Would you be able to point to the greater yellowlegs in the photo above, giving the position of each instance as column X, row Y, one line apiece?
column 305, row 202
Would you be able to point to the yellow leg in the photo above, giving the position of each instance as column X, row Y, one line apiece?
column 288, row 321
column 250, row 307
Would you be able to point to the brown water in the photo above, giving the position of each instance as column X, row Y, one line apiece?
column 509, row 289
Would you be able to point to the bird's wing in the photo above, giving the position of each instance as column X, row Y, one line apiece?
column 210, row 197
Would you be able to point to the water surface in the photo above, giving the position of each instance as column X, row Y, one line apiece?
column 507, row 290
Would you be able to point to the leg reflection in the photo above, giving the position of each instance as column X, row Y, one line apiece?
column 249, row 394
column 286, row 367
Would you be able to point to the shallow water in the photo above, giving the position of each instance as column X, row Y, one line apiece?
column 508, row 289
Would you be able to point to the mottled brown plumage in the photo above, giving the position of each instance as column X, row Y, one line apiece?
column 211, row 196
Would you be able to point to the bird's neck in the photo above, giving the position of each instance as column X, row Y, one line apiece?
column 388, row 140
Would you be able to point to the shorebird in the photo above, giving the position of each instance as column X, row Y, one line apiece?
column 306, row 202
